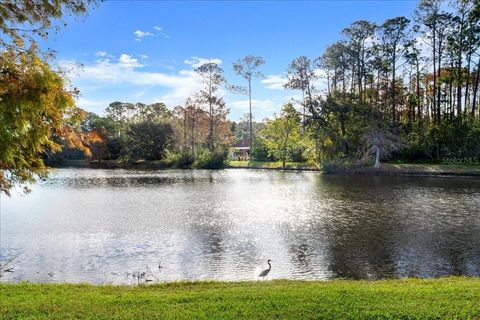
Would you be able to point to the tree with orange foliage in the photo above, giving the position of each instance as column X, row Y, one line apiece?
column 35, row 104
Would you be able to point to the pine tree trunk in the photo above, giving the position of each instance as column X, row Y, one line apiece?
column 439, row 70
column 450, row 89
column 394, row 115
column 434, row 70
column 185, row 144
column 210, row 139
column 377, row 158
column 193, row 133
column 250, row 110
column 419, row 101
column 467, row 82
column 459, row 69
column 475, row 89
column 377, row 94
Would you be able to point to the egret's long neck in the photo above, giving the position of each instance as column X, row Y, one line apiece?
column 269, row 265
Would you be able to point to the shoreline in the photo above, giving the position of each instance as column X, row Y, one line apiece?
column 410, row 170
column 414, row 170
column 387, row 169
column 449, row 297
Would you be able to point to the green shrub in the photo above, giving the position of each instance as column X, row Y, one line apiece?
column 340, row 166
column 333, row 167
column 211, row 160
column 260, row 151
column 181, row 159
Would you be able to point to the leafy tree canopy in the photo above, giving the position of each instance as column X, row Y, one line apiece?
column 36, row 108
column 282, row 134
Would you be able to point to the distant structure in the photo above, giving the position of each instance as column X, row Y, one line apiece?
column 241, row 150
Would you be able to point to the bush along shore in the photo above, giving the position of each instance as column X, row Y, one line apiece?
column 442, row 298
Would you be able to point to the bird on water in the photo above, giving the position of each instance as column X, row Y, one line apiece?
column 266, row 271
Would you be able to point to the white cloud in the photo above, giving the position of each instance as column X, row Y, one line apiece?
column 178, row 95
column 370, row 41
column 92, row 105
column 320, row 73
column 277, row 82
column 140, row 94
column 101, row 53
column 127, row 61
column 142, row 34
column 87, row 103
column 143, row 56
column 197, row 62
column 160, row 32
column 423, row 44
column 128, row 71
column 139, row 35
column 274, row 82
column 320, row 85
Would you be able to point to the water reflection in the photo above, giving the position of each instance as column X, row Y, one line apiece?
column 98, row 225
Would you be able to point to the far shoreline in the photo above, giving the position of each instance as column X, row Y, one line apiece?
column 387, row 169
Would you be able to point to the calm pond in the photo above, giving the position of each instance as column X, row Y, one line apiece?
column 102, row 226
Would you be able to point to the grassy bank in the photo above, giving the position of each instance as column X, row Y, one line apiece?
column 407, row 169
column 452, row 298
column 271, row 165
column 385, row 169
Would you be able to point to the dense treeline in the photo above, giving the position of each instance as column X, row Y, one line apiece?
column 405, row 89
column 132, row 132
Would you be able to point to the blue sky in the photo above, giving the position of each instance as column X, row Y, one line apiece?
column 145, row 51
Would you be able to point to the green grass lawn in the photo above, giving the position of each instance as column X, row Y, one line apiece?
column 444, row 298
column 270, row 165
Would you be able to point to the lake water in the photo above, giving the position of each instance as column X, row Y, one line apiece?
column 102, row 226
